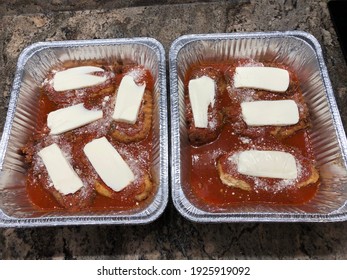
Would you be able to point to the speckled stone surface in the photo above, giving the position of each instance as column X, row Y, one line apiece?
column 171, row 236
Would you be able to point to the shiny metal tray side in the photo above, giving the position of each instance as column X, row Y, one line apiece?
column 32, row 67
column 302, row 52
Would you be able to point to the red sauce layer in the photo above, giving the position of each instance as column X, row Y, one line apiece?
column 137, row 154
column 206, row 188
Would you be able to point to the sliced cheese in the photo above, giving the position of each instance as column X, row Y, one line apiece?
column 65, row 179
column 72, row 117
column 277, row 112
column 128, row 101
column 201, row 95
column 266, row 78
column 109, row 164
column 270, row 164
column 77, row 77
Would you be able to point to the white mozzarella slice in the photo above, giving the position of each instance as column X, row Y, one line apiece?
column 64, row 178
column 277, row 112
column 201, row 94
column 128, row 101
column 270, row 164
column 77, row 77
column 266, row 78
column 109, row 164
column 72, row 117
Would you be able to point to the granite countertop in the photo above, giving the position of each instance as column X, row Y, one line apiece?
column 171, row 236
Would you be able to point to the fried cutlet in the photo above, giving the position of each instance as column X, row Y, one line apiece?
column 88, row 95
column 126, row 132
column 199, row 136
column 73, row 202
column 227, row 166
column 143, row 186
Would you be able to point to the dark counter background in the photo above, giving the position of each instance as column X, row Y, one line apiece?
column 171, row 236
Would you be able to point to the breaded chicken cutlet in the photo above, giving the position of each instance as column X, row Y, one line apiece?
column 227, row 166
column 126, row 132
column 233, row 115
column 293, row 86
column 144, row 187
column 87, row 95
column 76, row 201
column 199, row 136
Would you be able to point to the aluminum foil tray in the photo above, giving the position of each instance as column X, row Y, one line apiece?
column 33, row 64
column 302, row 52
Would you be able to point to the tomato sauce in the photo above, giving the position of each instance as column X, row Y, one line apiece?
column 136, row 154
column 206, row 187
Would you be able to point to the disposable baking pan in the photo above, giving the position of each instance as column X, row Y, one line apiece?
column 302, row 53
column 33, row 64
